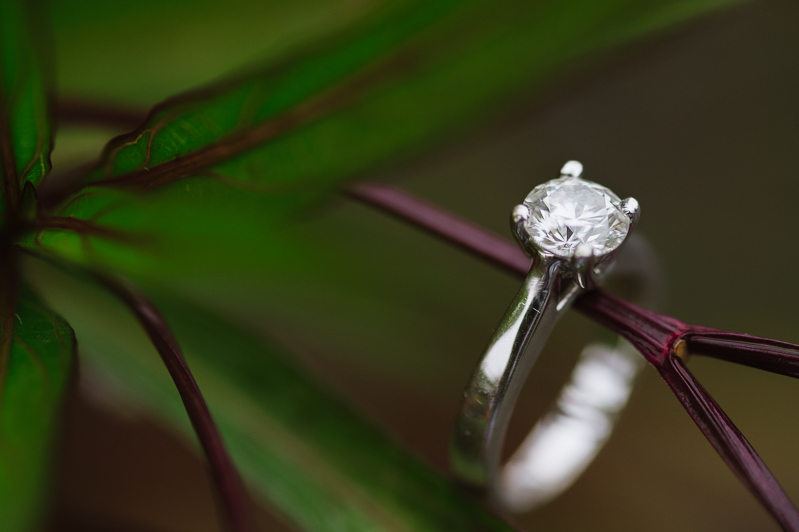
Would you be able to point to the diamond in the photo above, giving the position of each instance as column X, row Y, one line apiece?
column 570, row 211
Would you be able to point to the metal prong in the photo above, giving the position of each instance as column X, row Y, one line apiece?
column 518, row 216
column 631, row 209
column 582, row 264
column 572, row 169
column 520, row 213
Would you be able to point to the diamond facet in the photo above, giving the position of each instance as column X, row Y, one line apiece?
column 570, row 211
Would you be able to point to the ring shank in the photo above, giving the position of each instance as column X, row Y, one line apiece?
column 565, row 440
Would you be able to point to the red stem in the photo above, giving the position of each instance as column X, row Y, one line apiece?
column 653, row 335
column 85, row 227
column 761, row 353
column 730, row 444
column 8, row 160
column 227, row 480
column 69, row 110
column 8, row 308
column 445, row 225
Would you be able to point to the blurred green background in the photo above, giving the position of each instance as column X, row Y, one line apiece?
column 700, row 123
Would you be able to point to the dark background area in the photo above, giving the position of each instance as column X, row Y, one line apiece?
column 701, row 125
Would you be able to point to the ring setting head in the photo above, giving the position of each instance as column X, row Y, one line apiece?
column 574, row 219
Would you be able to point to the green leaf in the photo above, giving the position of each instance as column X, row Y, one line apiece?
column 25, row 135
column 37, row 362
column 311, row 456
column 218, row 168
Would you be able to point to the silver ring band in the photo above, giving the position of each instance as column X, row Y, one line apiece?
column 566, row 439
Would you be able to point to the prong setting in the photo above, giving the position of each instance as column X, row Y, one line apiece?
column 572, row 169
column 575, row 222
column 631, row 209
column 582, row 264
column 519, row 215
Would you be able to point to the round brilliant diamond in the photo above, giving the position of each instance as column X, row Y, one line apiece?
column 570, row 211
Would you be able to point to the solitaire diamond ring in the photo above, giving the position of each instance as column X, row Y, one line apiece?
column 578, row 234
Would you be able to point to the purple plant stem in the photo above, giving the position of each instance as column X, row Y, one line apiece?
column 445, row 225
column 656, row 336
column 653, row 335
column 8, row 305
column 761, row 353
column 70, row 110
column 64, row 521
column 232, row 492
column 8, row 159
column 729, row 443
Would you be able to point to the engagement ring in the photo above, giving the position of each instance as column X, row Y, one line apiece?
column 577, row 233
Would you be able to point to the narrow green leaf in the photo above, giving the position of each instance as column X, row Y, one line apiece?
column 25, row 135
column 307, row 453
column 218, row 167
column 38, row 358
